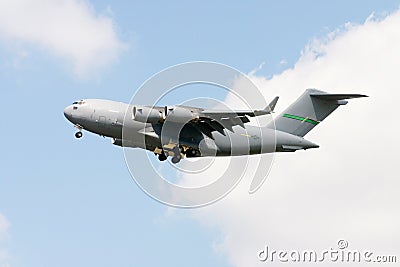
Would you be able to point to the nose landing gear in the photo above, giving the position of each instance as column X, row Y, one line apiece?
column 78, row 134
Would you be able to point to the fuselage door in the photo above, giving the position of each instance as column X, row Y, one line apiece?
column 102, row 122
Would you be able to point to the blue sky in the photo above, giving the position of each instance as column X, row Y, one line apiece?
column 72, row 202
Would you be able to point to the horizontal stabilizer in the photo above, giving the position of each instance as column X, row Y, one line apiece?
column 336, row 96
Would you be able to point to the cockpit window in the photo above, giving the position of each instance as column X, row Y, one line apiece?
column 81, row 102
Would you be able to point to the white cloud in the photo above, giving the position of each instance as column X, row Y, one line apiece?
column 4, row 226
column 68, row 29
column 347, row 188
column 283, row 62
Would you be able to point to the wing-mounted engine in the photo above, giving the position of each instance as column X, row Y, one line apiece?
column 179, row 114
column 147, row 114
column 174, row 114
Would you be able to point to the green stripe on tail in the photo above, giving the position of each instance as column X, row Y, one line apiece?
column 300, row 119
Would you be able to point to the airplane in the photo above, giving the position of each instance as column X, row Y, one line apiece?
column 204, row 132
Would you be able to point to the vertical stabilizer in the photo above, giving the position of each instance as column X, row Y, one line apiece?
column 312, row 107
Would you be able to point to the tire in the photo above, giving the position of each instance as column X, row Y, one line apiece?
column 79, row 135
column 191, row 152
column 162, row 157
column 176, row 159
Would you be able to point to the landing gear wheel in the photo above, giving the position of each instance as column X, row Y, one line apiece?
column 176, row 150
column 190, row 152
column 162, row 157
column 79, row 135
column 177, row 155
column 175, row 159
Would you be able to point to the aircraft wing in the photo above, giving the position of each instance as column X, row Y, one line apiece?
column 240, row 113
column 218, row 120
column 204, row 120
column 230, row 118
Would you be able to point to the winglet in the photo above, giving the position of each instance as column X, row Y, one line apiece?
column 271, row 106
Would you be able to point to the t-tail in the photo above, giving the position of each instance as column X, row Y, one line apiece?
column 312, row 107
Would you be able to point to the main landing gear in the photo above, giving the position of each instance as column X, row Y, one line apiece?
column 162, row 157
column 176, row 158
column 177, row 155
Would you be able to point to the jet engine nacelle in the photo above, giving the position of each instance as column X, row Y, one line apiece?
column 147, row 114
column 179, row 114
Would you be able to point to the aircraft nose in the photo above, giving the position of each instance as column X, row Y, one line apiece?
column 68, row 112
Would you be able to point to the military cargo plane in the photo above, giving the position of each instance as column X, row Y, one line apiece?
column 198, row 132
